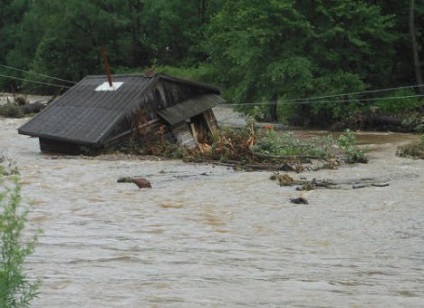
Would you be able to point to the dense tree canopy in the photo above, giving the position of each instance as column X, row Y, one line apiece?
column 283, row 49
column 259, row 51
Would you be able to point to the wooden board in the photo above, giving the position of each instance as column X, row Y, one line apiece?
column 183, row 135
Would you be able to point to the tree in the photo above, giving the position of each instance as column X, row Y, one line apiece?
column 402, row 63
column 253, row 50
column 12, row 13
column 63, row 39
column 179, row 29
column 290, row 50
column 415, row 48
column 352, row 46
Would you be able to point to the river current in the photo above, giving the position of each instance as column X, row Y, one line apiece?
column 208, row 236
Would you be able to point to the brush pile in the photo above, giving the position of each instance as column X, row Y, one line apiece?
column 267, row 149
column 252, row 148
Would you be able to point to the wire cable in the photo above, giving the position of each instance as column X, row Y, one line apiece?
column 33, row 73
column 300, row 101
column 357, row 93
column 306, row 101
column 34, row 81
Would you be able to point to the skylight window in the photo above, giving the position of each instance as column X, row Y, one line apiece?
column 106, row 87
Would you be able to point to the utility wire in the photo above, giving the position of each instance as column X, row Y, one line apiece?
column 33, row 73
column 301, row 101
column 356, row 93
column 306, row 101
column 291, row 100
column 34, row 81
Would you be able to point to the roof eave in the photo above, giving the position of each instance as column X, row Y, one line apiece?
column 215, row 89
column 60, row 139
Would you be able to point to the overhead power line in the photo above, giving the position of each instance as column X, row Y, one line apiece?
column 307, row 101
column 354, row 93
column 301, row 101
column 35, row 81
column 37, row 74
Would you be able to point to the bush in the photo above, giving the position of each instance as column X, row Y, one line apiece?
column 16, row 289
column 413, row 150
column 11, row 110
column 201, row 73
column 287, row 145
column 347, row 142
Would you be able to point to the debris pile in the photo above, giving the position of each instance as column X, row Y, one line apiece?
column 303, row 184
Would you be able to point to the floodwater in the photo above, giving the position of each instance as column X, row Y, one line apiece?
column 208, row 236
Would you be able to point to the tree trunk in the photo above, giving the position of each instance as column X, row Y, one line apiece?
column 412, row 30
column 138, row 54
column 273, row 109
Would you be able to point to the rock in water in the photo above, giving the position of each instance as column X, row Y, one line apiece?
column 142, row 183
column 299, row 200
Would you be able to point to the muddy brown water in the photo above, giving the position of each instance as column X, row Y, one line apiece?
column 208, row 236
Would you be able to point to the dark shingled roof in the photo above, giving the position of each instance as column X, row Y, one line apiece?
column 85, row 116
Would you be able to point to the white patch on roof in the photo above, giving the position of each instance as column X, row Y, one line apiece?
column 106, row 87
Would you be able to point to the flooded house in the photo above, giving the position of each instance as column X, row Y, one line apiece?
column 98, row 113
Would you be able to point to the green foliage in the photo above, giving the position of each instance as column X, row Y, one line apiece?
column 63, row 39
column 287, row 145
column 332, row 106
column 252, row 46
column 11, row 110
column 16, row 289
column 178, row 28
column 347, row 142
column 258, row 51
column 400, row 101
column 199, row 73
column 315, row 49
column 352, row 37
column 413, row 150
column 248, row 145
column 7, row 167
